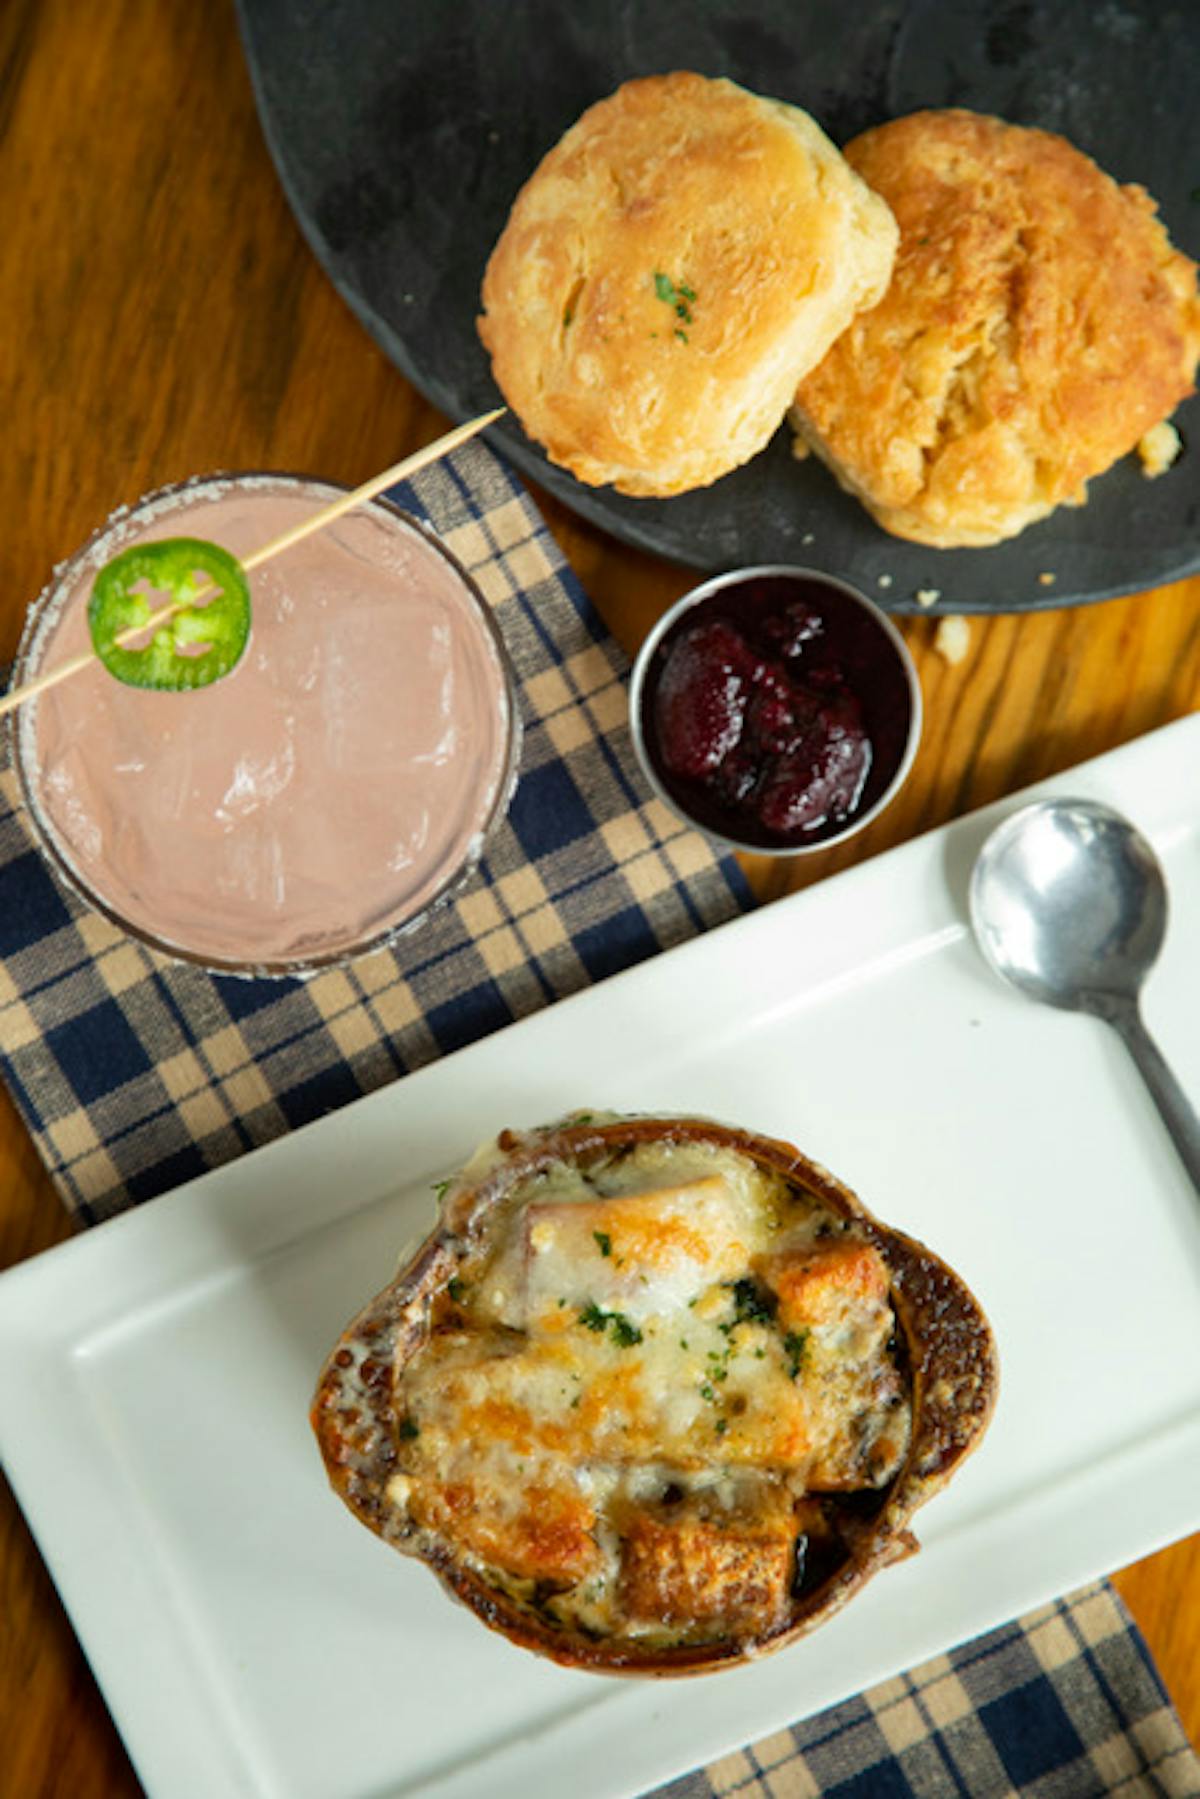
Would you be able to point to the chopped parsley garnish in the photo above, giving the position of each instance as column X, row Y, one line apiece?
column 621, row 1331
column 751, row 1305
column 721, row 1426
column 605, row 1242
column 407, row 1429
column 457, row 1289
column 678, row 296
column 441, row 1188
column 794, row 1345
column 706, row 1392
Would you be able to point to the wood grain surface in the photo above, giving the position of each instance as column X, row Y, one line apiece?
column 160, row 316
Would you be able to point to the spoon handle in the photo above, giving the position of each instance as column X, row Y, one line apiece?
column 1175, row 1109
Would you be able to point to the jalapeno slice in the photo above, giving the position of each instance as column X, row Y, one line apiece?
column 196, row 644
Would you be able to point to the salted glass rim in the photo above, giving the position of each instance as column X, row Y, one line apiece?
column 19, row 723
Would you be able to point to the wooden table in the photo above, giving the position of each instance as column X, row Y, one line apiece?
column 160, row 316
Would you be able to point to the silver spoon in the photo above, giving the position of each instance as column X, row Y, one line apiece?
column 1069, row 903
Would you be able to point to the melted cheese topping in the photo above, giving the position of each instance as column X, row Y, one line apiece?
column 637, row 1382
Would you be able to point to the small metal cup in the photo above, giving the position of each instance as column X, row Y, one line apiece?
column 891, row 645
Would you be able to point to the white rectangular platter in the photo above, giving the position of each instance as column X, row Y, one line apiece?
column 252, row 1639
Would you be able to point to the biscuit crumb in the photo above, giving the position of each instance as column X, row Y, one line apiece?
column 399, row 1491
column 808, row 538
column 1159, row 448
column 952, row 639
column 801, row 450
column 885, row 580
column 928, row 596
column 1047, row 579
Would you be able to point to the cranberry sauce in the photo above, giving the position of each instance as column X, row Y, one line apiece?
column 776, row 711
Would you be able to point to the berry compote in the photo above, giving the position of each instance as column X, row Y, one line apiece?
column 777, row 710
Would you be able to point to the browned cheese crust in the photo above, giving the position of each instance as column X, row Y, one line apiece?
column 1038, row 323
column 668, row 273
column 702, row 1580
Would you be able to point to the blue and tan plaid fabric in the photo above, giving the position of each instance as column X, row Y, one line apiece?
column 134, row 1074
column 1064, row 1704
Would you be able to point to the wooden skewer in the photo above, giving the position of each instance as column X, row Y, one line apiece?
column 442, row 446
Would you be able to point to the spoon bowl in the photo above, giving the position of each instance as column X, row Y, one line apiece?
column 1069, row 903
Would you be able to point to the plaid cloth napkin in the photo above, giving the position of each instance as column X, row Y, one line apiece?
column 134, row 1074
column 1063, row 1704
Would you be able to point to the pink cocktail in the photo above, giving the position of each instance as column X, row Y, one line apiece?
column 322, row 796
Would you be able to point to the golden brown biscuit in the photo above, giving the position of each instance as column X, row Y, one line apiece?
column 669, row 272
column 1038, row 323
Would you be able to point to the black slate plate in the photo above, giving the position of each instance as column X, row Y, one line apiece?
column 402, row 132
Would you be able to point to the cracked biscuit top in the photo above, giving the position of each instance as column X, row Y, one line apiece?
column 1037, row 325
column 670, row 271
